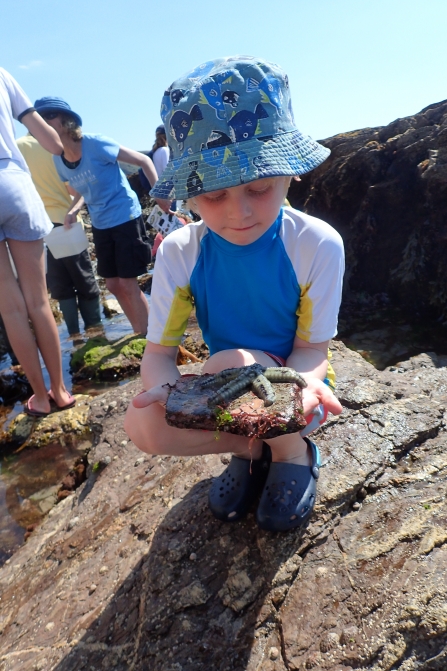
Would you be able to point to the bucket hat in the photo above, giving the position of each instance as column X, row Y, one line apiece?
column 53, row 104
column 228, row 122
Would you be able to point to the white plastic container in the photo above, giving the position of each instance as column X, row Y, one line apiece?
column 66, row 242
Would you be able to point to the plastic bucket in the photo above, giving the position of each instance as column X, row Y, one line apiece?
column 67, row 241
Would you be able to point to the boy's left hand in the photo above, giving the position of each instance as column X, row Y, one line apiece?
column 318, row 392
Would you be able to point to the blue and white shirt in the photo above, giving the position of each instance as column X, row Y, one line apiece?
column 256, row 296
column 98, row 178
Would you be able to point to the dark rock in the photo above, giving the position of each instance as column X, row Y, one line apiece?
column 385, row 190
column 131, row 571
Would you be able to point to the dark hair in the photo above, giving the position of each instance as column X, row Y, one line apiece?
column 160, row 140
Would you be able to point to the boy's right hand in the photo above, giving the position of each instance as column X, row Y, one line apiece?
column 157, row 394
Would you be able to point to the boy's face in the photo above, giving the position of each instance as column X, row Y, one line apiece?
column 242, row 214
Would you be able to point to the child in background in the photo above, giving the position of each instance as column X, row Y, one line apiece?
column 265, row 279
column 70, row 279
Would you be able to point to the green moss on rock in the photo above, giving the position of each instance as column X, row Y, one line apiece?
column 103, row 360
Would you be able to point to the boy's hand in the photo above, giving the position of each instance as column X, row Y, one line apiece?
column 318, row 392
column 157, row 394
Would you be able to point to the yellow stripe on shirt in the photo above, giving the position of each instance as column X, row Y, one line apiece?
column 178, row 317
column 304, row 314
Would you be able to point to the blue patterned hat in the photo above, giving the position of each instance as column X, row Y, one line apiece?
column 228, row 122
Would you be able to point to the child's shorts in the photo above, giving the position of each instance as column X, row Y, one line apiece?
column 123, row 250
column 22, row 214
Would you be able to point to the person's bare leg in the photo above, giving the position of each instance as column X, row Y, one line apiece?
column 29, row 261
column 15, row 316
column 132, row 300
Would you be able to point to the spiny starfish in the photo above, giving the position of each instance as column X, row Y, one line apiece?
column 254, row 377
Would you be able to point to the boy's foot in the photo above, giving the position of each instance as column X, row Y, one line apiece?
column 289, row 493
column 233, row 493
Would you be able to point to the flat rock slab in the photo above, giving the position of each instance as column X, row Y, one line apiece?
column 133, row 573
column 245, row 415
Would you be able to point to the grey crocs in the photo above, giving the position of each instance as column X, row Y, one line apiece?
column 233, row 493
column 289, row 494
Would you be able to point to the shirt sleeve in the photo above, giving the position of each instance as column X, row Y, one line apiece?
column 106, row 149
column 20, row 103
column 317, row 254
column 160, row 159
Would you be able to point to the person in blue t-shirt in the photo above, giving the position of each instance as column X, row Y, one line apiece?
column 89, row 163
column 265, row 280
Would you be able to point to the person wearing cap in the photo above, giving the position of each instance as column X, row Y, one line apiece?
column 89, row 163
column 265, row 280
column 70, row 279
column 23, row 225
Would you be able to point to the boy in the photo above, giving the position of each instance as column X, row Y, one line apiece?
column 265, row 281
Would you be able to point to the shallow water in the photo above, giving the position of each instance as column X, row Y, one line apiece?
column 29, row 479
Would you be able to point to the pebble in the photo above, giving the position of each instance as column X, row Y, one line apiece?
column 103, row 570
column 193, row 556
column 107, row 460
column 123, row 443
column 356, row 505
column 49, row 626
column 112, row 405
column 126, row 478
column 92, row 588
column 139, row 461
column 72, row 523
column 273, row 653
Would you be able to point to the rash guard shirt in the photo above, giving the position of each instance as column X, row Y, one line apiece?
column 257, row 296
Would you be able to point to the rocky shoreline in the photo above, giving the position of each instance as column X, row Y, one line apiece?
column 131, row 571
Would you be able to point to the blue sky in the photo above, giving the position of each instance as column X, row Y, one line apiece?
column 351, row 63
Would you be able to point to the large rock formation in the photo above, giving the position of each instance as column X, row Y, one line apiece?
column 385, row 190
column 132, row 572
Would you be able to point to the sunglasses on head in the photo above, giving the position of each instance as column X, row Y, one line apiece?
column 48, row 116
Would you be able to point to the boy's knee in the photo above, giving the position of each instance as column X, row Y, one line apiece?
column 229, row 358
column 136, row 426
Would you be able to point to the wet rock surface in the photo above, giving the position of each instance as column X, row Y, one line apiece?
column 384, row 189
column 131, row 571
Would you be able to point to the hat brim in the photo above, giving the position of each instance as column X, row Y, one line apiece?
column 290, row 153
column 56, row 108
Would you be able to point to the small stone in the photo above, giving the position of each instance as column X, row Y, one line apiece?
column 193, row 556
column 330, row 641
column 92, row 588
column 107, row 460
column 139, row 461
column 273, row 653
column 115, row 457
column 72, row 523
column 356, row 505
column 103, row 570
column 112, row 405
column 123, row 443
column 126, row 478
column 49, row 626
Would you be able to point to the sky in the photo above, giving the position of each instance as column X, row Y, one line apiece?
column 351, row 63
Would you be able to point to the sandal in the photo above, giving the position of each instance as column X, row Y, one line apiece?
column 233, row 493
column 29, row 410
column 71, row 403
column 289, row 494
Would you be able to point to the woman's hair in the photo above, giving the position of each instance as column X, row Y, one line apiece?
column 71, row 127
column 160, row 141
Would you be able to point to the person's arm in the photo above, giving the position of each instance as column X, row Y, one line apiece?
column 44, row 134
column 75, row 207
column 148, row 168
column 310, row 359
column 158, row 368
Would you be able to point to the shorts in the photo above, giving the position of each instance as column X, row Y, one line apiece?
column 22, row 214
column 71, row 276
column 123, row 250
